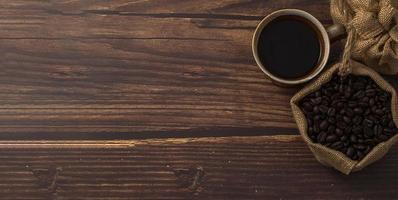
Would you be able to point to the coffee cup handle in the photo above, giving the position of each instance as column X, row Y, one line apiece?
column 336, row 32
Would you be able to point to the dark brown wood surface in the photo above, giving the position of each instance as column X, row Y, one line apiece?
column 86, row 86
column 136, row 69
column 132, row 69
column 263, row 167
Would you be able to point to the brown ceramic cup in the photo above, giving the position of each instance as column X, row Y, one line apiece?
column 326, row 35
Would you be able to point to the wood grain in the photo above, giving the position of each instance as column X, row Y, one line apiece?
column 135, row 69
column 74, row 73
column 265, row 167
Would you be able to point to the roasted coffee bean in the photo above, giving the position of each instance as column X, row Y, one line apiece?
column 310, row 131
column 316, row 128
column 316, row 110
column 341, row 88
column 359, row 94
column 370, row 92
column 383, row 138
column 358, row 86
column 360, row 154
column 323, row 109
column 359, row 146
column 346, row 144
column 357, row 130
column 368, row 131
column 341, row 124
column 389, row 134
column 331, row 138
column 391, row 124
column 355, row 157
column 325, row 101
column 332, row 120
column 371, row 102
column 382, row 98
column 373, row 119
column 308, row 115
column 347, row 119
column 310, row 122
column 357, row 120
column 324, row 125
column 342, row 112
column 339, row 132
column 347, row 130
column 350, row 152
column 322, row 137
column 369, row 141
column 358, row 111
column 377, row 130
column 337, row 145
column 316, row 101
column 307, row 107
column 331, row 111
column 385, row 110
column 379, row 112
column 317, row 118
column 351, row 114
column 347, row 92
column 389, row 131
column 368, row 122
column 353, row 139
column 352, row 104
column 331, row 129
column 335, row 96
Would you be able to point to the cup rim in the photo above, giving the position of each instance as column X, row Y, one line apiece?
column 314, row 21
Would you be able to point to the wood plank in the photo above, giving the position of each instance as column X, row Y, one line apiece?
column 131, row 69
column 266, row 167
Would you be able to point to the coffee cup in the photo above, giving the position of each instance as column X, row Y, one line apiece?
column 292, row 47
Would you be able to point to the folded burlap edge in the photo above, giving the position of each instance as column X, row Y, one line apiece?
column 330, row 157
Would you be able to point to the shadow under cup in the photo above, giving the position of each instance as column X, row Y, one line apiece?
column 291, row 47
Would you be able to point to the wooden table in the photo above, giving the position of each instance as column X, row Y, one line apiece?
column 155, row 99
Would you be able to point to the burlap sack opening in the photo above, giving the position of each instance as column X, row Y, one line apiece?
column 375, row 23
column 330, row 157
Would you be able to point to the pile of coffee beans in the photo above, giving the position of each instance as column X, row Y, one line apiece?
column 350, row 114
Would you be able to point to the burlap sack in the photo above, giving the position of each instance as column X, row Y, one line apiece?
column 330, row 157
column 375, row 23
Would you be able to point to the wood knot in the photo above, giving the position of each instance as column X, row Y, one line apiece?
column 190, row 178
column 47, row 177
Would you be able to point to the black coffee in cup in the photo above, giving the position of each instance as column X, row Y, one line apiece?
column 289, row 47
